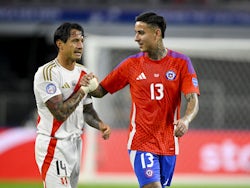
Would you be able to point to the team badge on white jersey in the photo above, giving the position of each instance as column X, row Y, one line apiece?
column 50, row 88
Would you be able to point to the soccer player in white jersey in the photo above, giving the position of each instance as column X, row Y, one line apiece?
column 63, row 108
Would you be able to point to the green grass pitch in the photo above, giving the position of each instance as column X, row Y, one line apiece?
column 5, row 184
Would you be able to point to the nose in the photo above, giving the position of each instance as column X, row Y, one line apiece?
column 136, row 37
column 80, row 44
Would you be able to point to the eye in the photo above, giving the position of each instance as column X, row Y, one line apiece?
column 141, row 32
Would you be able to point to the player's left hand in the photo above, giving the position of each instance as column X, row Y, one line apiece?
column 181, row 127
column 106, row 130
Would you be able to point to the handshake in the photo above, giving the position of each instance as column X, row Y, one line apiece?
column 90, row 85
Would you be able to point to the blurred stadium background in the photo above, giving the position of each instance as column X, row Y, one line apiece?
column 214, row 33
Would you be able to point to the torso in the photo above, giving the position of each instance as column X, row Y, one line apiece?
column 155, row 88
column 51, row 80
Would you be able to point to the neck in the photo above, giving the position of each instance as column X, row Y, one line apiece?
column 66, row 63
column 157, row 54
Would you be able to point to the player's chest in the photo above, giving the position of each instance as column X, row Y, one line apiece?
column 154, row 82
column 68, row 82
column 165, row 73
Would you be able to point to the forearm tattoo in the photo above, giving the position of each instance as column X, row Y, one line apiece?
column 91, row 117
column 192, row 106
column 90, row 120
column 60, row 109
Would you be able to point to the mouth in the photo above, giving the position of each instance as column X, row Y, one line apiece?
column 141, row 47
column 78, row 54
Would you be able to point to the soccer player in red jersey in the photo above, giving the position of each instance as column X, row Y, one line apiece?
column 157, row 76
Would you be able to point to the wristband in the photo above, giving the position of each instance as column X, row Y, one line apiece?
column 93, row 84
column 85, row 89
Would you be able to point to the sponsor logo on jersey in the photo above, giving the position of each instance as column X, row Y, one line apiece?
column 50, row 88
column 141, row 77
column 170, row 75
column 195, row 82
column 66, row 85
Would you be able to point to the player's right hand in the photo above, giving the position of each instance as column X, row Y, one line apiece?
column 89, row 85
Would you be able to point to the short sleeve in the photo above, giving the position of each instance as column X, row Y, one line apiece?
column 117, row 78
column 46, row 88
column 189, row 78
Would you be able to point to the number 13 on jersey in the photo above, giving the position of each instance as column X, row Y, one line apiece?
column 156, row 91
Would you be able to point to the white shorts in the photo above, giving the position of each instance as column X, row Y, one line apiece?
column 58, row 161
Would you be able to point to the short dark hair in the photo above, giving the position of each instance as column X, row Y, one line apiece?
column 154, row 20
column 63, row 31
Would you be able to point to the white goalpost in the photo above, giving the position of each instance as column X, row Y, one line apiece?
column 99, row 57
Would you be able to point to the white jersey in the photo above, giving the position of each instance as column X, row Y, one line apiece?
column 50, row 80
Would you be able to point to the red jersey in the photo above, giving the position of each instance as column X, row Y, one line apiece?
column 155, row 88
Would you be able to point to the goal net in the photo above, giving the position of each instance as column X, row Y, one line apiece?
column 223, row 69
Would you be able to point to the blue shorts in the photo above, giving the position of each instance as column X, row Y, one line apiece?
column 150, row 167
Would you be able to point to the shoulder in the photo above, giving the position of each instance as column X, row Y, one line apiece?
column 183, row 60
column 136, row 56
column 46, row 71
column 178, row 55
column 132, row 58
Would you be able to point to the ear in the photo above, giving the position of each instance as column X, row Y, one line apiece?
column 59, row 44
column 158, row 32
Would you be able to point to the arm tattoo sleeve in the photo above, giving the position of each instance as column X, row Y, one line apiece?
column 60, row 109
